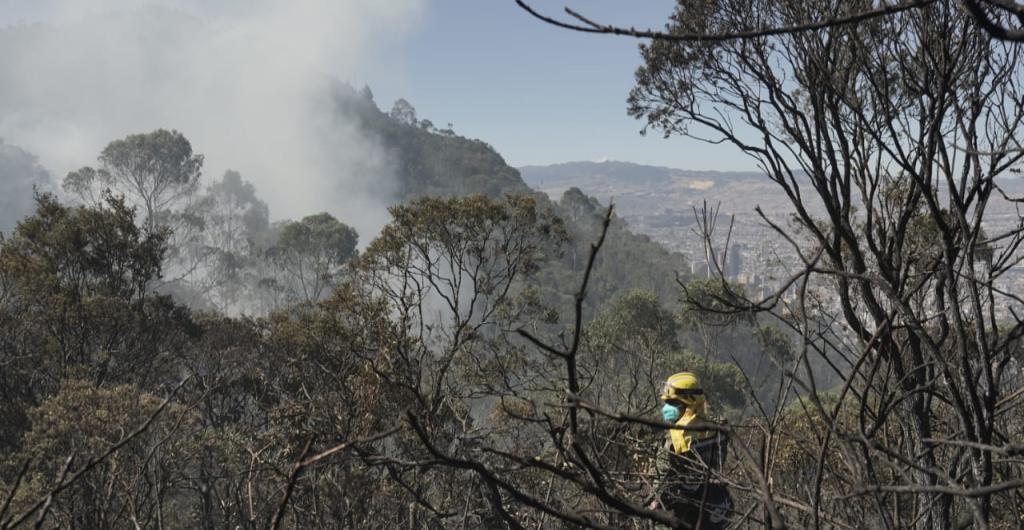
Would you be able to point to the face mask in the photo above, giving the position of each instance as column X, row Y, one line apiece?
column 670, row 413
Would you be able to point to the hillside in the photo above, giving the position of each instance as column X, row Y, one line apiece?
column 660, row 201
column 657, row 197
column 428, row 161
column 612, row 173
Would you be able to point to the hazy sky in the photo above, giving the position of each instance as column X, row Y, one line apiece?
column 539, row 94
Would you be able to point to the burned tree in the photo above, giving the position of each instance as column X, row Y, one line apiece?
column 897, row 128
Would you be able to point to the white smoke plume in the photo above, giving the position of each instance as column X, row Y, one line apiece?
column 247, row 81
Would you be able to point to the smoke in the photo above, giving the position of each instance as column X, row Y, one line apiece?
column 20, row 176
column 249, row 82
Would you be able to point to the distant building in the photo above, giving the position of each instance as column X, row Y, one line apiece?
column 734, row 265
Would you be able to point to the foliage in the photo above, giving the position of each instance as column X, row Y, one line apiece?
column 634, row 344
column 76, row 302
column 84, row 251
column 134, row 485
column 232, row 221
column 155, row 171
column 310, row 254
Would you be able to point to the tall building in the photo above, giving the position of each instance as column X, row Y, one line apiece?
column 734, row 264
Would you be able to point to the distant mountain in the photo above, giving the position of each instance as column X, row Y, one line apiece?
column 642, row 190
column 660, row 201
column 586, row 174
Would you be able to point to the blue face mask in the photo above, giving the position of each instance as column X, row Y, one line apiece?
column 670, row 413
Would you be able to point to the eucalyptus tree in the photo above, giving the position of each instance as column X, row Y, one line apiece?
column 156, row 171
column 309, row 255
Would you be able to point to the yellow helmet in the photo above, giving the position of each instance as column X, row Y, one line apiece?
column 683, row 386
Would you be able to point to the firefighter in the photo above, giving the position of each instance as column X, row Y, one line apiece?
column 691, row 461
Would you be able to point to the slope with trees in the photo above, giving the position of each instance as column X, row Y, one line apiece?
column 489, row 360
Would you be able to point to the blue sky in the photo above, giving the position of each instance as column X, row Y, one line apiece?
column 537, row 93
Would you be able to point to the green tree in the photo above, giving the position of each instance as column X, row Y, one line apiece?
column 630, row 345
column 156, row 171
column 634, row 344
column 139, row 485
column 75, row 301
column 233, row 214
column 455, row 272
column 310, row 253
column 233, row 223
column 403, row 112
column 708, row 311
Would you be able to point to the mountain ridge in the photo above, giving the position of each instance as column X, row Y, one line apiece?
column 661, row 202
column 563, row 172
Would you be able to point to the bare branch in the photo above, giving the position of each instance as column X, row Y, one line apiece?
column 590, row 26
